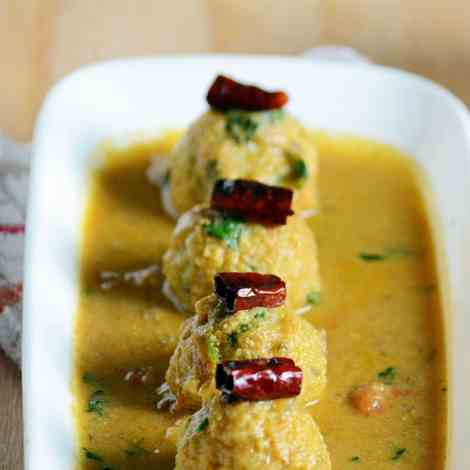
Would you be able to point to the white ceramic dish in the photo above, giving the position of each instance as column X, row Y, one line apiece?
column 125, row 97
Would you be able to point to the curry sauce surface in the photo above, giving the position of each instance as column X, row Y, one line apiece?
column 379, row 305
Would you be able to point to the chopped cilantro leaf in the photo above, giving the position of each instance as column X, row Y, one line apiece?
column 240, row 126
column 228, row 229
column 394, row 252
column 388, row 375
column 261, row 314
column 355, row 459
column 96, row 458
column 96, row 403
column 232, row 338
column 212, row 350
column 276, row 115
column 89, row 378
column 202, row 425
column 398, row 453
column 299, row 169
column 92, row 456
column 371, row 257
column 313, row 297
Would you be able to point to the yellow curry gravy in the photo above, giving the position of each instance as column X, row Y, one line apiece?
column 379, row 305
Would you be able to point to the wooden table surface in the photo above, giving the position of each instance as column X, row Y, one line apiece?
column 42, row 40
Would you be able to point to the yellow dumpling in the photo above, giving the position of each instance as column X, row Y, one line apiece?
column 250, row 436
column 205, row 243
column 270, row 147
column 211, row 336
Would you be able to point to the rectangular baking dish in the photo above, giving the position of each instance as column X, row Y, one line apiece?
column 124, row 98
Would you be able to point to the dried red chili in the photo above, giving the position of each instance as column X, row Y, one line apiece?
column 259, row 379
column 242, row 291
column 255, row 202
column 226, row 93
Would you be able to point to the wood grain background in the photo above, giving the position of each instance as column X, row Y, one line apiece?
column 42, row 40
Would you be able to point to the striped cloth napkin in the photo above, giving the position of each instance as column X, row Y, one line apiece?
column 14, row 171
